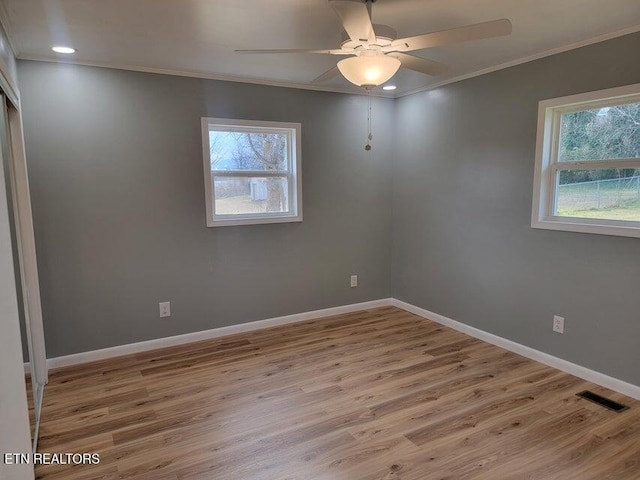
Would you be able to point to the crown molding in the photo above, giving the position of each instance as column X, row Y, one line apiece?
column 5, row 21
column 207, row 76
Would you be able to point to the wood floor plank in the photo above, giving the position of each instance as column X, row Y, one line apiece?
column 379, row 394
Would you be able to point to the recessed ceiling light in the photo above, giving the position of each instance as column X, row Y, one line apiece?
column 389, row 87
column 61, row 49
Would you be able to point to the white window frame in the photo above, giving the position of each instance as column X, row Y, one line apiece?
column 293, row 172
column 547, row 164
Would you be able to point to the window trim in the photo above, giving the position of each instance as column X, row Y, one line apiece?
column 294, row 172
column 547, row 165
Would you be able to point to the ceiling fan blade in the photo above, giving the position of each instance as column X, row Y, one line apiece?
column 495, row 28
column 298, row 50
column 419, row 64
column 355, row 18
column 328, row 75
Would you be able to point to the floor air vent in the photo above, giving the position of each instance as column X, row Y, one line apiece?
column 605, row 402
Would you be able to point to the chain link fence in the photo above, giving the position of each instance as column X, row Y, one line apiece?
column 598, row 194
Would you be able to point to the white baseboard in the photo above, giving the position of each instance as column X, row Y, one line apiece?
column 555, row 362
column 579, row 371
column 147, row 345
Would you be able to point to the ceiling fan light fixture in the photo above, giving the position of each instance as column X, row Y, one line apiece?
column 369, row 70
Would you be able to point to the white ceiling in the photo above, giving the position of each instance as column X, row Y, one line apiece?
column 197, row 37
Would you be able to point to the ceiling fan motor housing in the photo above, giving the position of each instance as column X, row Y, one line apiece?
column 384, row 36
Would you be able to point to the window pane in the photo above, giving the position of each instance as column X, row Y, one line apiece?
column 612, row 194
column 248, row 151
column 250, row 195
column 601, row 133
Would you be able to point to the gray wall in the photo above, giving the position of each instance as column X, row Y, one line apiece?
column 462, row 242
column 116, row 175
column 115, row 164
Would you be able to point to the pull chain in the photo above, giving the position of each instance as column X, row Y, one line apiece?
column 367, row 147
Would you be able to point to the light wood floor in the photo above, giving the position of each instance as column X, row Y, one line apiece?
column 380, row 394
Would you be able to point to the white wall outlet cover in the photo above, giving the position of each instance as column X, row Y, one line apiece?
column 558, row 324
column 165, row 309
column 354, row 281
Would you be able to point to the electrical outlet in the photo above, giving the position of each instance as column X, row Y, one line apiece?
column 165, row 309
column 558, row 324
column 354, row 281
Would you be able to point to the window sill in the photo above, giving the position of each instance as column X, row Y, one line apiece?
column 586, row 225
column 253, row 221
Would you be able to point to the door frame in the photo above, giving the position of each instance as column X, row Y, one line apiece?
column 25, row 239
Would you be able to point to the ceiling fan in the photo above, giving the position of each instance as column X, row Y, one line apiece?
column 375, row 53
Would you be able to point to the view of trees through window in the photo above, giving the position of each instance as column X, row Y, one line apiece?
column 253, row 154
column 607, row 133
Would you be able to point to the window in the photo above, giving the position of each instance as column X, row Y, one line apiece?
column 251, row 171
column 587, row 176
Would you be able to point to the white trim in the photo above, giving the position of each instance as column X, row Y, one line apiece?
column 587, row 98
column 8, row 27
column 37, row 406
column 333, row 89
column 293, row 173
column 7, row 85
column 19, row 179
column 211, row 76
column 8, row 82
column 545, row 184
column 527, row 59
column 587, row 225
column 144, row 346
column 577, row 370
